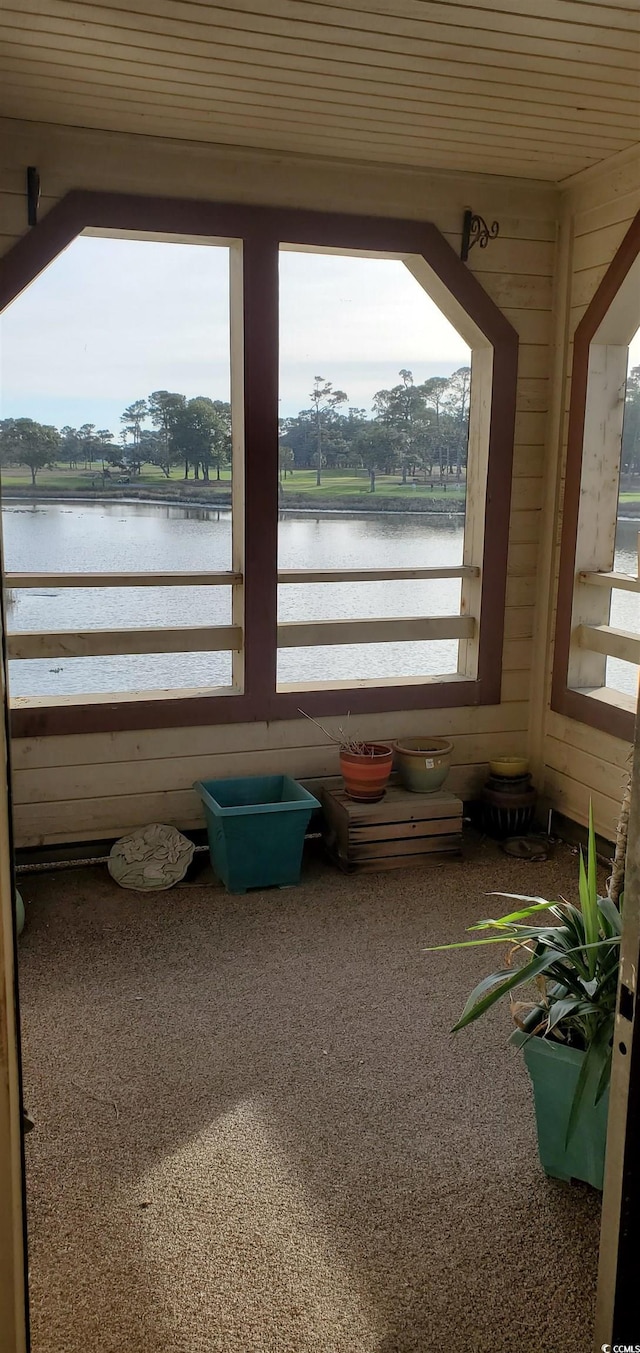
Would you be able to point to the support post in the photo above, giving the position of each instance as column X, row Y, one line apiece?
column 617, row 1303
column 13, row 1308
column 261, row 375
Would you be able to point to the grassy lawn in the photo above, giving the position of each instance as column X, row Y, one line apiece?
column 63, row 478
column 335, row 483
column 51, row 479
column 347, row 483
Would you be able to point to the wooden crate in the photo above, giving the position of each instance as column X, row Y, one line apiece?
column 402, row 829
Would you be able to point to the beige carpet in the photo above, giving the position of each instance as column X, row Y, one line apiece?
column 255, row 1134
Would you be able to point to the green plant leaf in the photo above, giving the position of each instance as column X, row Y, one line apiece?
column 610, row 915
column 592, row 864
column 605, row 1077
column 538, row 904
column 588, row 888
column 583, row 888
column 469, row 944
column 518, row 977
column 562, row 939
column 606, row 981
column 596, row 1059
column 546, row 963
column 502, row 975
column 574, row 921
column 533, row 898
column 562, row 1009
column 565, row 977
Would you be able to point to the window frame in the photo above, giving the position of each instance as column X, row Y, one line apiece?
column 261, row 231
column 602, row 708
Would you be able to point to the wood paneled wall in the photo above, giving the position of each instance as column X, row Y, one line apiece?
column 574, row 762
column 83, row 787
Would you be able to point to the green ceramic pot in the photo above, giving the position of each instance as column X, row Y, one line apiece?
column 554, row 1070
column 423, row 763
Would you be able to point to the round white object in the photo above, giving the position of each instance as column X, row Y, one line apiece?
column 151, row 858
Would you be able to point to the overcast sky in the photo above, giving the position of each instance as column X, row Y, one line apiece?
column 112, row 320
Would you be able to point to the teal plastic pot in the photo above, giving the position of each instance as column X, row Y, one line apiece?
column 256, row 828
column 554, row 1071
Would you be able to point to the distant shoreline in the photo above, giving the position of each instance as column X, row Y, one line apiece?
column 221, row 499
column 294, row 503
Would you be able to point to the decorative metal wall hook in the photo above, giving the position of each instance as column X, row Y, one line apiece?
column 476, row 231
column 33, row 195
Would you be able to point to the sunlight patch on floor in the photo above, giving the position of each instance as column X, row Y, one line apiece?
column 253, row 1244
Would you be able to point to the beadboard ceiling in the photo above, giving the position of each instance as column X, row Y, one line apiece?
column 535, row 88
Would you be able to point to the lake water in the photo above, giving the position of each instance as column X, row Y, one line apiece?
column 125, row 537
column 625, row 606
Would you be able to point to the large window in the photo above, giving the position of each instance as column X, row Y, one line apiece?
column 116, row 462
column 373, row 464
column 597, row 651
column 621, row 674
column 254, row 561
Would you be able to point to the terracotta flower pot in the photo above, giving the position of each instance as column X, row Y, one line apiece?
column 366, row 773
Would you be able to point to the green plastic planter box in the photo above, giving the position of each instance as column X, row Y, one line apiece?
column 256, row 828
column 554, row 1071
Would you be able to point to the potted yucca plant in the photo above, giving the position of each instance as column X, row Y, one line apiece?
column 570, row 955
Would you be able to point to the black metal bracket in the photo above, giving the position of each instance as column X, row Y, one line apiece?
column 33, row 195
column 476, row 231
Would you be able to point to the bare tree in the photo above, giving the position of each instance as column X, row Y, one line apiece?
column 324, row 401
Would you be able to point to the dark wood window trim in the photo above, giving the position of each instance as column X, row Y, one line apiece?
column 262, row 230
column 608, row 717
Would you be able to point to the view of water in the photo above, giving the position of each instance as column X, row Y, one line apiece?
column 625, row 606
column 95, row 537
column 125, row 537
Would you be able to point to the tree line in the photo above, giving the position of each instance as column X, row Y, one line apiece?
column 412, row 429
column 630, row 463
column 193, row 432
column 415, row 430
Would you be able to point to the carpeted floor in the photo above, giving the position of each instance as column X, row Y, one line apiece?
column 255, row 1134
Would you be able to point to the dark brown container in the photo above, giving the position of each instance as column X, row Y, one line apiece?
column 508, row 805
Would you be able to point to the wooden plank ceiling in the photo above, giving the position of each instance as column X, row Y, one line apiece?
column 534, row 88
